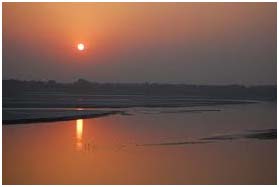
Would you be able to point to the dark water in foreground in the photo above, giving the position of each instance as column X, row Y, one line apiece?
column 115, row 149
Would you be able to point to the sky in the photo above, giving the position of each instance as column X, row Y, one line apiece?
column 192, row 43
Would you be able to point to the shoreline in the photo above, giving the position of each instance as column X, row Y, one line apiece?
column 58, row 118
column 13, row 116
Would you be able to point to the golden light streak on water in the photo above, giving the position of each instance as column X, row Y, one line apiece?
column 79, row 131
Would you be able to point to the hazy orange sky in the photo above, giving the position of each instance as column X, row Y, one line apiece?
column 200, row 43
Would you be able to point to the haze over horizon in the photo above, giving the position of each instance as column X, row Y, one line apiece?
column 192, row 43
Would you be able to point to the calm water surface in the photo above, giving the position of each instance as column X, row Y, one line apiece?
column 112, row 150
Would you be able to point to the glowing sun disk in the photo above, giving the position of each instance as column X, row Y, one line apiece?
column 80, row 47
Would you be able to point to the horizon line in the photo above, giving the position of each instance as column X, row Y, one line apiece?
column 145, row 82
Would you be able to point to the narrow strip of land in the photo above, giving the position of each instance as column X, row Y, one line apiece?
column 31, row 116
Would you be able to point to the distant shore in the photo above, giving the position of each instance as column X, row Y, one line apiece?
column 116, row 102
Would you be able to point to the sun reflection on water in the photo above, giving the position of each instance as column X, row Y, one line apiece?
column 79, row 131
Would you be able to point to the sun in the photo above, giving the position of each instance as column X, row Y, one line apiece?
column 80, row 46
